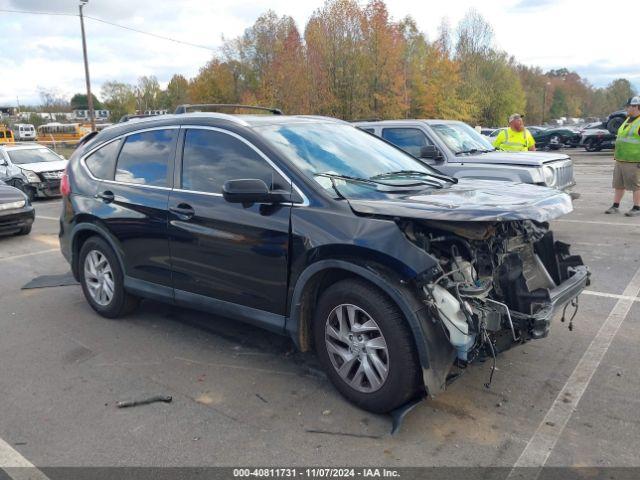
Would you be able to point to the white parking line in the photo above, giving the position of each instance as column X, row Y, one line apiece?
column 24, row 255
column 42, row 217
column 593, row 222
column 16, row 466
column 610, row 295
column 540, row 446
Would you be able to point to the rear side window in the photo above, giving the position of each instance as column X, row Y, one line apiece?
column 144, row 157
column 102, row 162
column 411, row 140
column 210, row 158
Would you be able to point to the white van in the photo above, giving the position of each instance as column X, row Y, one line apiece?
column 24, row 131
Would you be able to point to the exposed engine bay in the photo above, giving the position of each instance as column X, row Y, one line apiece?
column 499, row 284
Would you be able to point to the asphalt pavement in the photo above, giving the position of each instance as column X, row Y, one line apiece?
column 242, row 396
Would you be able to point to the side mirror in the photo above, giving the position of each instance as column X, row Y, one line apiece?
column 252, row 190
column 431, row 152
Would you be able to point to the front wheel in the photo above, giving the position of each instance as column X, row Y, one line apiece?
column 102, row 280
column 24, row 188
column 365, row 346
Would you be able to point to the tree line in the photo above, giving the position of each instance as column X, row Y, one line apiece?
column 354, row 61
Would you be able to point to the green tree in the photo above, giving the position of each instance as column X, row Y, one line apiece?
column 79, row 102
column 119, row 99
column 176, row 93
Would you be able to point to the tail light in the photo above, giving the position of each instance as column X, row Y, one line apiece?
column 65, row 186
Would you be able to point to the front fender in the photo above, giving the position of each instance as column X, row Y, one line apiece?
column 435, row 353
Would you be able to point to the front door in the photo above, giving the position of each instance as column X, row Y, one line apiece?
column 230, row 255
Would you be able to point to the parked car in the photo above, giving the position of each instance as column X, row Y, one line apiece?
column 615, row 120
column 389, row 269
column 24, row 131
column 16, row 212
column 556, row 138
column 456, row 149
column 34, row 169
column 594, row 140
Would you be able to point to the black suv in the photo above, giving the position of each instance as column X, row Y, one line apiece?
column 392, row 272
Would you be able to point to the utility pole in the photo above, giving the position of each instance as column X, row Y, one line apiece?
column 544, row 99
column 92, row 116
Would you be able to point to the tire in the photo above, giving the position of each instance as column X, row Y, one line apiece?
column 24, row 230
column 614, row 124
column 591, row 146
column 28, row 191
column 394, row 346
column 119, row 303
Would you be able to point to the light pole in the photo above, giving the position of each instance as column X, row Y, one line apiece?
column 92, row 117
column 544, row 99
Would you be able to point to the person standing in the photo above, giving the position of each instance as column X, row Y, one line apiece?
column 626, row 173
column 515, row 138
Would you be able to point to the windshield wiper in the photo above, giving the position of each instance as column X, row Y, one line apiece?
column 417, row 173
column 372, row 180
column 475, row 150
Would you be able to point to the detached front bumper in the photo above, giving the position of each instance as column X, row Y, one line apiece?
column 558, row 298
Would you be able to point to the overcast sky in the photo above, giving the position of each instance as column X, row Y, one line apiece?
column 41, row 51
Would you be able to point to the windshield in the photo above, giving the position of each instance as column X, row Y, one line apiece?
column 461, row 138
column 341, row 149
column 32, row 155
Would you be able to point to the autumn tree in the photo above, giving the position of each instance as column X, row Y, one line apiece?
column 119, row 98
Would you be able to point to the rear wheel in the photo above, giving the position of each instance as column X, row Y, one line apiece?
column 591, row 145
column 102, row 280
column 365, row 346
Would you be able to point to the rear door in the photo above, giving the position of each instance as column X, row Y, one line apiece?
column 133, row 203
column 222, row 251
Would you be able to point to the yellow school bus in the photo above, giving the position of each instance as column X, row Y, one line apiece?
column 6, row 135
column 61, row 132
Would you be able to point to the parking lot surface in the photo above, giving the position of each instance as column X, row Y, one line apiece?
column 242, row 396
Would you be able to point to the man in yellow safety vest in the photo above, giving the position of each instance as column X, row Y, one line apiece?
column 626, row 173
column 515, row 138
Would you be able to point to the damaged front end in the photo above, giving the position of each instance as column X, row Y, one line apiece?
column 499, row 283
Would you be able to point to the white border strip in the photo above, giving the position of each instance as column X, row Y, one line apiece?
column 16, row 257
column 544, row 440
column 593, row 222
column 610, row 295
column 16, row 466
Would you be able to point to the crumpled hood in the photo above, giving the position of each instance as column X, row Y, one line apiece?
column 471, row 201
column 44, row 166
column 512, row 158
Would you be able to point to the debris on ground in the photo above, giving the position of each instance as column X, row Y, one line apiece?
column 261, row 398
column 145, row 401
column 326, row 412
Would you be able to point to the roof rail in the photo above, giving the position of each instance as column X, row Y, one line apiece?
column 133, row 116
column 185, row 108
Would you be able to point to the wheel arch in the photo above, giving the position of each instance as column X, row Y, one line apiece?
column 326, row 272
column 81, row 233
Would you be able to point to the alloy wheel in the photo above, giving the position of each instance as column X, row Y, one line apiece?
column 357, row 348
column 98, row 277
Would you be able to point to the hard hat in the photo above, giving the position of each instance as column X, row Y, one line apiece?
column 634, row 101
column 515, row 116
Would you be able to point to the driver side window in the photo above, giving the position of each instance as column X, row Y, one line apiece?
column 411, row 140
column 211, row 157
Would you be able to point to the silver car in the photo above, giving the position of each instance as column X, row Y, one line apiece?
column 457, row 149
column 34, row 169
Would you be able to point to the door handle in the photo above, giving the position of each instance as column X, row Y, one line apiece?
column 183, row 211
column 107, row 196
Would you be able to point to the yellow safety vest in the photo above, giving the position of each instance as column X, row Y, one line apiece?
column 514, row 141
